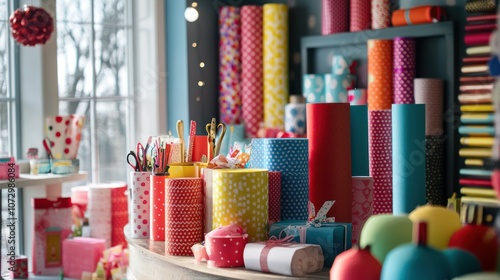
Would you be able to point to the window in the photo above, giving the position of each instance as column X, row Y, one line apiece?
column 93, row 61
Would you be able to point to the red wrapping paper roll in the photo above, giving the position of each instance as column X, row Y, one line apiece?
column 380, row 153
column 334, row 16
column 361, row 15
column 477, row 39
column 328, row 131
column 380, row 54
column 274, row 203
column 183, row 215
column 200, row 148
column 119, row 214
column 251, row 69
column 417, row 15
column 157, row 208
column 481, row 27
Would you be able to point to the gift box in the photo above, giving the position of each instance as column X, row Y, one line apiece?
column 225, row 246
column 81, row 254
column 18, row 268
column 333, row 238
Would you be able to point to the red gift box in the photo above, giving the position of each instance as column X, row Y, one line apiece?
column 81, row 254
column 225, row 246
column 19, row 269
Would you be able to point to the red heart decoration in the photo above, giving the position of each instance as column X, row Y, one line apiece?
column 31, row 25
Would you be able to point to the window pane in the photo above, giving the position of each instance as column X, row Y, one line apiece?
column 4, row 128
column 110, row 63
column 3, row 9
column 3, row 58
column 73, row 11
column 109, row 12
column 111, row 133
column 74, row 65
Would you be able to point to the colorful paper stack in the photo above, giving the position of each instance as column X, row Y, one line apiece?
column 476, row 105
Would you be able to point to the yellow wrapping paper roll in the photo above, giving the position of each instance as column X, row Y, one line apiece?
column 240, row 197
column 275, row 64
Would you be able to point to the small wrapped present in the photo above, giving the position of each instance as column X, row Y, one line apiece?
column 18, row 268
column 81, row 254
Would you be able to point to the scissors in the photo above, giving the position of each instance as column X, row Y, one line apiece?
column 135, row 162
column 213, row 143
column 139, row 157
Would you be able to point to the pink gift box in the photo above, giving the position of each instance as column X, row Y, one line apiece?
column 19, row 269
column 81, row 254
column 225, row 246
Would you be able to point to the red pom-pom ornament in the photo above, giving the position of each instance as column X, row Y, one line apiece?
column 31, row 25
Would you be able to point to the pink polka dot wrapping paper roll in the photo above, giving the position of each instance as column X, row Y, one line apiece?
column 381, row 14
column 140, row 204
column 183, row 215
column 229, row 65
column 251, row 69
column 362, row 204
column 361, row 16
column 64, row 134
column 334, row 16
column 404, row 70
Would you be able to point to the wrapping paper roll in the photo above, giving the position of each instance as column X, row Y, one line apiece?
column 481, row 27
column 140, row 204
column 476, row 39
column 229, row 65
column 328, row 131
column 481, row 50
column 207, row 175
column 380, row 141
column 380, row 53
column 290, row 157
column 476, row 172
column 274, row 208
column 408, row 158
column 434, row 170
column 334, row 16
column 480, row 79
column 404, row 70
column 477, row 108
column 251, row 69
column 183, row 215
column 477, row 141
column 475, row 152
column 357, row 96
column 119, row 214
column 486, row 17
column 417, row 15
column 476, row 130
column 157, row 208
column 475, row 182
column 314, row 88
column 337, row 86
column 359, row 140
column 275, row 63
column 381, row 14
column 295, row 118
column 476, row 60
column 362, row 204
column 241, row 196
column 431, row 93
column 475, row 98
column 477, row 87
column 361, row 15
column 200, row 148
column 475, row 69
column 480, row 6
column 100, row 213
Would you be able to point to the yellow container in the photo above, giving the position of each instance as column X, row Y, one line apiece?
column 186, row 170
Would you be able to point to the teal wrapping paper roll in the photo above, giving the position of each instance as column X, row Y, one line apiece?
column 359, row 141
column 408, row 157
column 313, row 88
column 337, row 86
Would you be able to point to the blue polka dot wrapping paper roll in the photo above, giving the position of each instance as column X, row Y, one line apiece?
column 295, row 118
column 291, row 157
column 313, row 88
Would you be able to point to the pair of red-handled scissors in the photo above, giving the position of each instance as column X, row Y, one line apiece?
column 134, row 161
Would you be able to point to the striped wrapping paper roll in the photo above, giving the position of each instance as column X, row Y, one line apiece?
column 408, row 158
column 431, row 93
column 380, row 141
column 275, row 63
column 337, row 86
column 359, row 140
column 381, row 14
column 183, row 215
column 380, row 53
column 274, row 203
column 328, row 131
column 434, row 170
column 357, row 96
column 240, row 196
column 313, row 87
column 251, row 69
column 480, row 6
column 362, row 204
column 361, row 15
column 157, row 208
column 119, row 214
column 404, row 70
column 99, row 212
column 139, row 224
column 290, row 156
column 334, row 16
column 229, row 65
column 295, row 118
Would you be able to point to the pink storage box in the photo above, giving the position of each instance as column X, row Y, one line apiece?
column 5, row 165
column 20, row 270
column 81, row 254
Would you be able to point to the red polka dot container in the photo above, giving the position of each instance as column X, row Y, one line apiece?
column 225, row 246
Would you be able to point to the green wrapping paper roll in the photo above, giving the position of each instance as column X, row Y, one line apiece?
column 434, row 180
column 408, row 157
column 359, row 140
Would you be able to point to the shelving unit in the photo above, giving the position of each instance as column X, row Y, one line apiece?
column 27, row 180
column 436, row 56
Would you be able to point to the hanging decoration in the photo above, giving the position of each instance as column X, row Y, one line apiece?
column 31, row 25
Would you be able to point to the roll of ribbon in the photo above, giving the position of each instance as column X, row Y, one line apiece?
column 476, row 172
column 380, row 141
column 480, row 27
column 229, row 64
column 476, row 39
column 357, row 96
column 475, row 152
column 430, row 92
column 274, row 208
column 157, row 208
column 417, row 15
column 328, row 131
column 474, row 182
column 295, row 118
column 290, row 156
column 474, row 87
column 241, row 196
column 476, row 59
column 477, row 141
column 251, row 69
column 140, row 204
column 481, row 50
column 380, row 53
column 381, row 14
column 479, row 79
column 99, row 212
column 359, row 140
column 361, row 16
column 477, row 108
column 475, row 98
column 476, row 130
column 475, row 69
column 408, row 158
column 334, row 16
column 337, row 86
column 183, row 217
column 362, row 204
column 404, row 70
column 313, row 87
column 275, row 63
column 434, row 170
column 480, row 6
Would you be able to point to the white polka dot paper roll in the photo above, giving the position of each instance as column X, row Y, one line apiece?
column 157, row 208
column 337, row 87
column 313, row 88
column 140, row 204
column 240, row 196
column 295, row 118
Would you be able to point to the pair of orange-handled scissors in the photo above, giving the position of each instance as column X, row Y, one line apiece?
column 214, row 144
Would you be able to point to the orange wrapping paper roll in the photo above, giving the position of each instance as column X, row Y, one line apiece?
column 380, row 53
column 417, row 15
column 329, row 134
